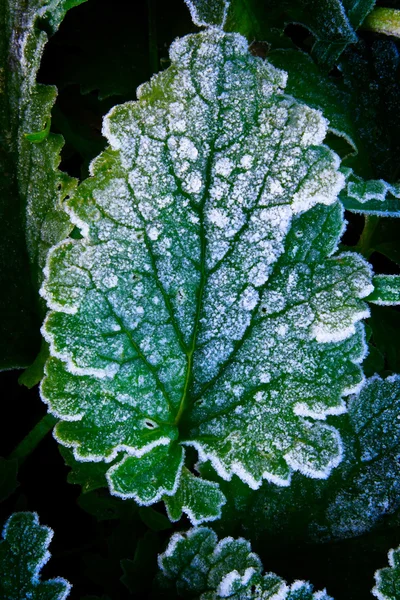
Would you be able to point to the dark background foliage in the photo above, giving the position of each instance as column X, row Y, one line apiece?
column 97, row 59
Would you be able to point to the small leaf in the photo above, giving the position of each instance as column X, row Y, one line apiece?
column 201, row 500
column 34, row 373
column 139, row 572
column 196, row 563
column 23, row 552
column 383, row 20
column 387, row 580
column 207, row 13
column 90, row 476
column 147, row 478
column 373, row 197
column 386, row 290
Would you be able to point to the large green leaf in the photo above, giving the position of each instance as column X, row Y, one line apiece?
column 196, row 564
column 23, row 552
column 201, row 307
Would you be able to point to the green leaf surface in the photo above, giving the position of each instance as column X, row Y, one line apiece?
column 23, row 552
column 201, row 500
column 195, row 563
column 384, row 20
column 386, row 290
column 158, row 343
column 387, row 580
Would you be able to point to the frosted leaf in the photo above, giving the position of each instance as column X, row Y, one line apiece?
column 23, row 553
column 42, row 187
column 387, row 580
column 207, row 13
column 372, row 197
column 386, row 290
column 202, row 307
column 201, row 500
column 196, row 563
column 32, row 187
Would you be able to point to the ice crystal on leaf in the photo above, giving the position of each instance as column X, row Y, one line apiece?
column 203, row 305
column 196, row 563
column 23, row 552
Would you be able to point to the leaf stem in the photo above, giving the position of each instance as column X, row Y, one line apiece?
column 364, row 243
column 383, row 20
column 33, row 439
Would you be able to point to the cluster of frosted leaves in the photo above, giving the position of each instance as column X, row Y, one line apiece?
column 23, row 552
column 187, row 302
column 387, row 580
column 360, row 493
column 195, row 563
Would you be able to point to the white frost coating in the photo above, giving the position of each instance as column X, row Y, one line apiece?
column 303, row 410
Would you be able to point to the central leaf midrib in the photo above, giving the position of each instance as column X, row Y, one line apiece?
column 207, row 184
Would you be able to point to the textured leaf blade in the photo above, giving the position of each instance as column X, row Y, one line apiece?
column 196, row 563
column 193, row 251
column 201, row 500
column 23, row 552
column 148, row 478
